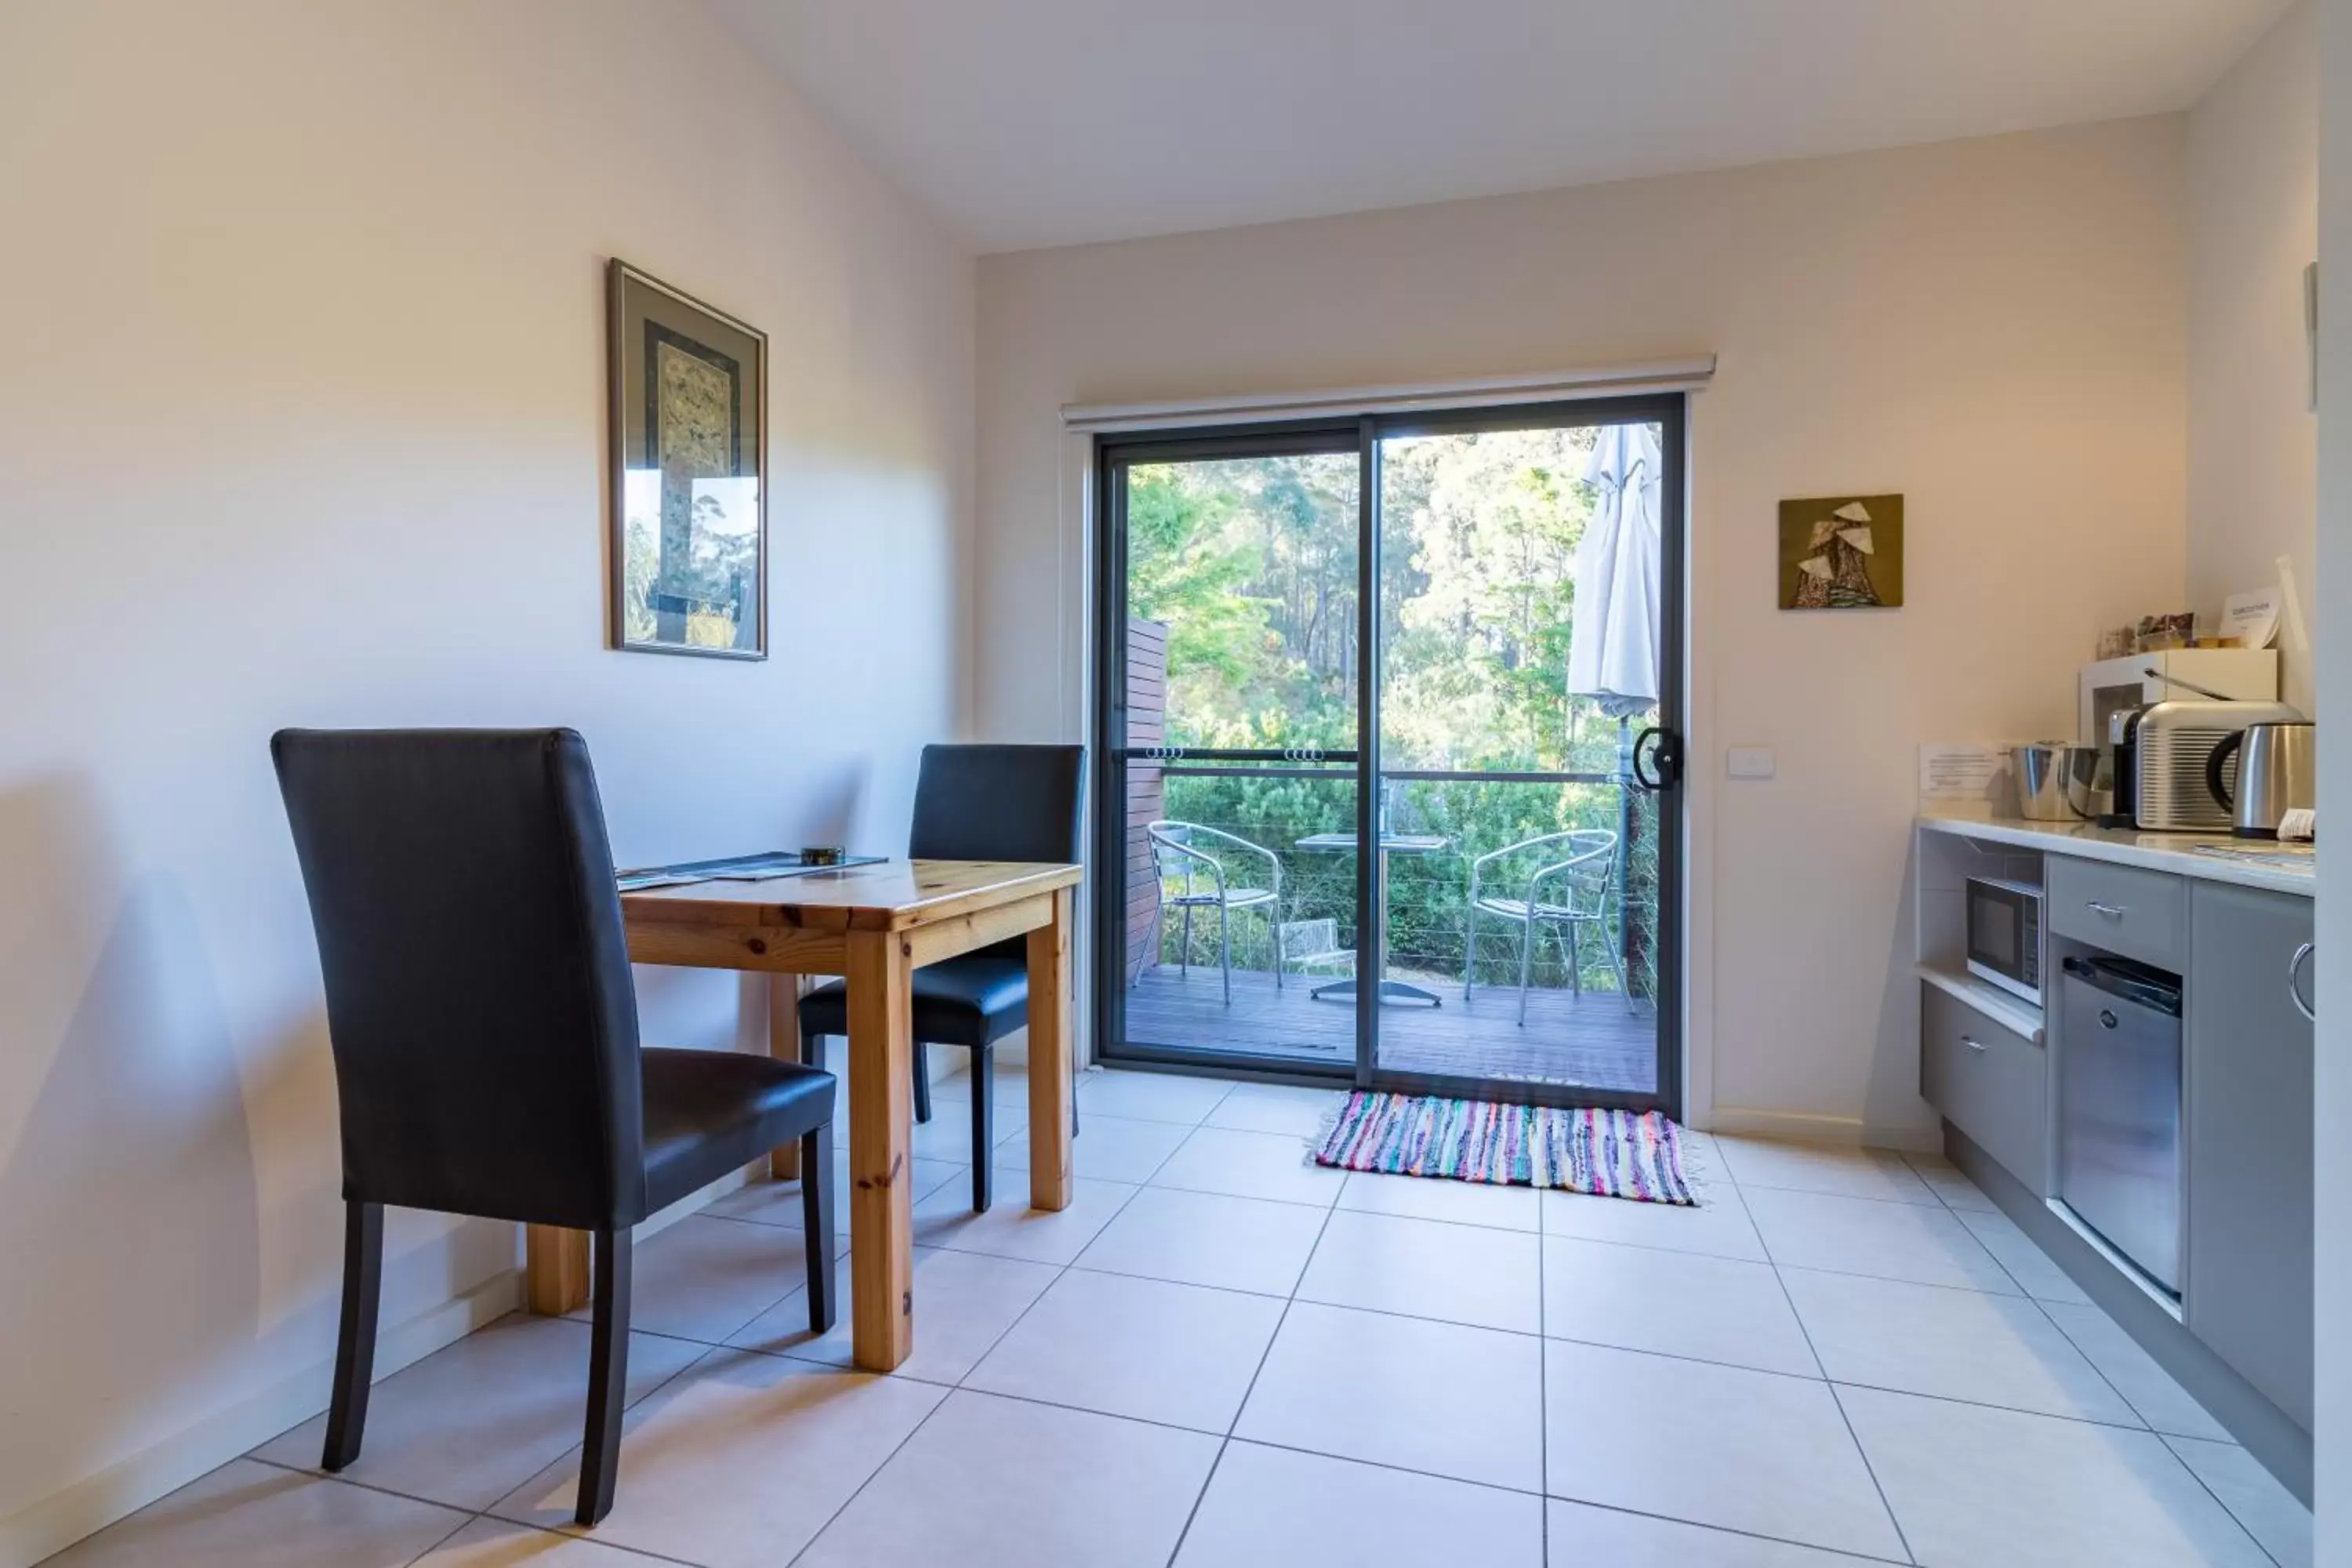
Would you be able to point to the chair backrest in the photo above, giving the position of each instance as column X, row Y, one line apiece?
column 1591, row 855
column 1000, row 803
column 478, row 996
column 1305, row 940
column 1176, row 854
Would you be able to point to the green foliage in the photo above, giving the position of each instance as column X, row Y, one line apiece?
column 1183, row 570
column 1252, row 564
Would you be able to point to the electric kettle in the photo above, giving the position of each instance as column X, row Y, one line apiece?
column 2277, row 772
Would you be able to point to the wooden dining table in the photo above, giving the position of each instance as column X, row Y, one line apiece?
column 874, row 926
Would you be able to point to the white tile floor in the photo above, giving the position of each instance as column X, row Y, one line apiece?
column 1219, row 1357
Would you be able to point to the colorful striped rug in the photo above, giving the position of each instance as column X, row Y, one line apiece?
column 1612, row 1153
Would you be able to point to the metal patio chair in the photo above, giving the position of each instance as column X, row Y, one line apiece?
column 1309, row 945
column 1189, row 853
column 1568, row 893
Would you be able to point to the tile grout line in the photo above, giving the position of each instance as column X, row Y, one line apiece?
column 1226, row 1442
column 319, row 1475
column 950, row 1390
column 1543, row 1381
column 460, row 1528
column 2052, row 1319
column 1177, row 1547
column 1064, row 1269
column 940, row 1403
column 1079, row 1265
column 1061, row 1271
column 1844, row 1418
column 1473, row 1328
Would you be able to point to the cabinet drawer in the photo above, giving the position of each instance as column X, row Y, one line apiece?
column 1991, row 1084
column 2139, row 914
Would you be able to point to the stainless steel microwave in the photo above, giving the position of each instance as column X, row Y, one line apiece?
column 2005, row 935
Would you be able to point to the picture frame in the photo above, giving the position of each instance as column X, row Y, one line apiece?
column 687, row 533
column 1841, row 552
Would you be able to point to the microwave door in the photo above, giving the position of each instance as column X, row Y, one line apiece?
column 1992, row 929
column 2003, row 934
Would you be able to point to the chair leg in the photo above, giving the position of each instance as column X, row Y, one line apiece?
column 983, row 1124
column 355, row 1346
column 608, row 1376
column 1576, row 958
column 1225, row 948
column 922, row 1082
column 1274, row 937
column 816, row 1227
column 1617, row 963
column 1151, row 944
column 1469, row 944
column 1184, row 953
column 1527, row 960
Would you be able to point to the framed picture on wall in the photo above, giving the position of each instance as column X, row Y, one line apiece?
column 1841, row 552
column 689, row 507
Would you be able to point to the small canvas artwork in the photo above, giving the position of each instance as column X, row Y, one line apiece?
column 1841, row 552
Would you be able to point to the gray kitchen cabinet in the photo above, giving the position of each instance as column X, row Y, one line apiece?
column 1988, row 1081
column 2138, row 913
column 2249, row 1070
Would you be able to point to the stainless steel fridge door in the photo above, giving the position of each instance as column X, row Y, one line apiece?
column 2119, row 1125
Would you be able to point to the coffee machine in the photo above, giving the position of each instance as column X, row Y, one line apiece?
column 2114, row 693
column 2120, row 762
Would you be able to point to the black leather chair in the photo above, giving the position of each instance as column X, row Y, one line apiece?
column 974, row 803
column 485, row 1033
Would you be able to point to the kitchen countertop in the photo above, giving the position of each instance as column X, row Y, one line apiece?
column 2287, row 869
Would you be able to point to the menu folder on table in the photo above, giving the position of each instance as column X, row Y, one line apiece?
column 733, row 868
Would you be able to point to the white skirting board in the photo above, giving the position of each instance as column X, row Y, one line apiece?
column 122, row 1489
column 1802, row 1127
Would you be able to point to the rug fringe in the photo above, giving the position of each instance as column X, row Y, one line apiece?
column 1326, row 1124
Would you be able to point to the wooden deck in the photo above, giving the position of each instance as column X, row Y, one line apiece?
column 1595, row 1041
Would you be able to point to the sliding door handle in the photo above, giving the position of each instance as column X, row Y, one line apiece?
column 1662, row 749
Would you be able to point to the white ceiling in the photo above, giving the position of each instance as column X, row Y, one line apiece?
column 1032, row 122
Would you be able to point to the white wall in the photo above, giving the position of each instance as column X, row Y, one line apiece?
column 302, row 415
column 1994, row 327
column 2254, row 200
column 2332, row 1096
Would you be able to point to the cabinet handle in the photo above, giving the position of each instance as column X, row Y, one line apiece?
column 1972, row 1042
column 2113, row 911
column 2295, row 982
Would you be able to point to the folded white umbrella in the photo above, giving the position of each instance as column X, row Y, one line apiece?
column 1613, row 649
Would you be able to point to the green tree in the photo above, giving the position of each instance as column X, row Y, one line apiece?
column 1253, row 564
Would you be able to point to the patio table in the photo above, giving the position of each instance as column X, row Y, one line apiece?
column 1390, row 844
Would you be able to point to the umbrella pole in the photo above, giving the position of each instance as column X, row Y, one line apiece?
column 1624, row 844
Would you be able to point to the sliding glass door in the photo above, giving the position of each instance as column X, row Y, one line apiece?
column 1233, row 679
column 1454, row 639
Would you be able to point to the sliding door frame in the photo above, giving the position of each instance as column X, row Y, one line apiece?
column 1113, row 454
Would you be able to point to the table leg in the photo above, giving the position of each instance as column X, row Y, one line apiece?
column 785, row 1044
column 881, row 1135
column 555, row 1270
column 1049, row 1059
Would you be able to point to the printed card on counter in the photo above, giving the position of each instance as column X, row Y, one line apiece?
column 2251, row 619
column 1958, row 775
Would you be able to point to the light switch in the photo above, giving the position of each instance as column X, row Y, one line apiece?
column 1748, row 761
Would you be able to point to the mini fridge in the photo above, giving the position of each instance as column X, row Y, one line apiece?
column 2119, row 1109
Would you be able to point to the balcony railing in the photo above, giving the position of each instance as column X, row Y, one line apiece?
column 1277, row 805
